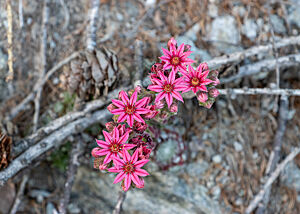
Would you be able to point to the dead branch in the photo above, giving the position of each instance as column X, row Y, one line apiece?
column 76, row 152
column 24, row 104
column 118, row 207
column 275, row 154
column 138, row 57
column 264, row 65
column 239, row 56
column 9, row 41
column 253, row 204
column 43, row 64
column 91, row 30
column 19, row 195
column 260, row 91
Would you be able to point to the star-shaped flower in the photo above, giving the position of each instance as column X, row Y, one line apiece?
column 176, row 59
column 129, row 169
column 167, row 88
column 113, row 145
column 130, row 109
column 196, row 80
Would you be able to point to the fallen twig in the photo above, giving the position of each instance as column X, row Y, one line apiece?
column 253, row 204
column 76, row 152
column 9, row 41
column 19, row 195
column 275, row 154
column 23, row 105
column 239, row 56
column 264, row 65
column 43, row 64
column 91, row 30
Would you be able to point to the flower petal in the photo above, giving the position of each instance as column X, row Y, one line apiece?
column 114, row 169
column 135, row 156
column 135, row 179
column 169, row 99
column 126, row 156
column 138, row 118
column 140, row 163
column 171, row 77
column 102, row 152
column 133, row 98
column 160, row 96
column 124, row 97
column 118, row 161
column 122, row 117
column 116, row 133
column 123, row 138
column 118, row 103
column 130, row 120
column 127, row 182
column 107, row 159
column 156, row 88
column 128, row 146
column 119, row 177
column 107, row 137
column 118, row 111
column 142, row 111
column 102, row 144
column 141, row 172
column 141, row 102
column 177, row 96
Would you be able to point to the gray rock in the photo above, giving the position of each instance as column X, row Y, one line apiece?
column 166, row 151
column 224, row 34
column 250, row 29
column 278, row 24
column 197, row 169
column 50, row 209
column 237, row 146
column 291, row 176
column 163, row 193
column 217, row 159
column 294, row 15
column 212, row 10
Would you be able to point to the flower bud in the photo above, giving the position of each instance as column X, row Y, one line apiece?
column 187, row 48
column 110, row 126
column 94, row 152
column 208, row 104
column 213, row 92
column 202, row 97
column 102, row 166
column 172, row 41
column 111, row 107
column 138, row 89
column 140, row 127
column 160, row 104
column 174, row 108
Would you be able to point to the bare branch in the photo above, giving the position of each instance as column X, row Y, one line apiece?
column 260, row 91
column 43, row 64
column 253, row 204
column 91, row 30
column 264, row 65
column 76, row 152
column 19, row 195
column 9, row 41
column 275, row 154
column 239, row 56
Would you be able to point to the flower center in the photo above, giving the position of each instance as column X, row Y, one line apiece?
column 128, row 168
column 115, row 148
column 168, row 88
column 129, row 109
column 195, row 81
column 175, row 60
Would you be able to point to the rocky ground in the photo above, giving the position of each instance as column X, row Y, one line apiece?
column 228, row 146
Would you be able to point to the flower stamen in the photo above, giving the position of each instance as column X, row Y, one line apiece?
column 175, row 60
column 195, row 81
column 168, row 88
column 129, row 109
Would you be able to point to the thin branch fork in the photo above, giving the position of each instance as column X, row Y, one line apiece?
column 118, row 207
column 254, row 203
column 275, row 154
column 19, row 195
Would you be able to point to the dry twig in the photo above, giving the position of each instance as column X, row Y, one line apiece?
column 9, row 41
column 43, row 64
column 253, row 204
column 76, row 152
column 264, row 65
column 19, row 195
column 275, row 155
column 91, row 30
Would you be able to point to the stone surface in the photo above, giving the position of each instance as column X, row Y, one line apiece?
column 291, row 176
column 250, row 29
column 278, row 24
column 163, row 193
column 294, row 15
column 224, row 34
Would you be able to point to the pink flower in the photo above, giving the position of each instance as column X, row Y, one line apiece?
column 112, row 146
column 196, row 80
column 172, row 41
column 176, row 58
column 130, row 110
column 152, row 113
column 129, row 169
column 144, row 152
column 110, row 126
column 142, row 184
column 167, row 88
column 111, row 107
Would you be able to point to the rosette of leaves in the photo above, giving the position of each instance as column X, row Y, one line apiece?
column 93, row 74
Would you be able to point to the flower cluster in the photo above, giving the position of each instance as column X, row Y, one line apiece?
column 128, row 142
